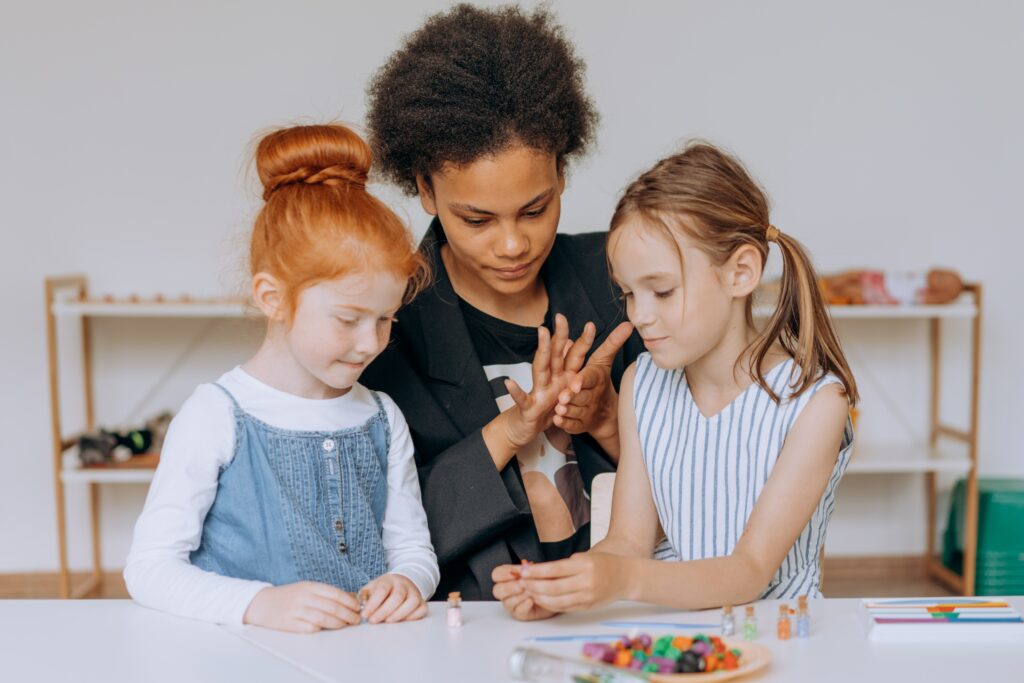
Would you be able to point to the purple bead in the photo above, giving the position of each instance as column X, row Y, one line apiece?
column 700, row 647
column 645, row 640
column 665, row 665
column 599, row 651
column 636, row 664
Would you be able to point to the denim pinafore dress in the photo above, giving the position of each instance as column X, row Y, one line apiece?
column 300, row 505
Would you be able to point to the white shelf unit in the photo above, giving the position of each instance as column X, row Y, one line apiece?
column 68, row 297
column 879, row 459
column 932, row 458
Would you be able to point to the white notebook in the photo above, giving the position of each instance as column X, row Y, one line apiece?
column 941, row 620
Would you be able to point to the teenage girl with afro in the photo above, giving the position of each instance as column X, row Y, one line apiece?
column 508, row 365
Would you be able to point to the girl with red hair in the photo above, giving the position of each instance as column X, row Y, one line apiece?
column 286, row 488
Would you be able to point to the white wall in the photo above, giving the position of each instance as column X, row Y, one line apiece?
column 888, row 134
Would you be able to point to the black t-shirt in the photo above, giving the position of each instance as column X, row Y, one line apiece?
column 551, row 475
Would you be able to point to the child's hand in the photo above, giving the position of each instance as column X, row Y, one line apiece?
column 583, row 581
column 304, row 607
column 590, row 403
column 392, row 598
column 514, row 598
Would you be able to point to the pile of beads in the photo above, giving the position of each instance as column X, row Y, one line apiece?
column 667, row 654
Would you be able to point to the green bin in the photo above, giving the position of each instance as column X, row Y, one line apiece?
column 1000, row 563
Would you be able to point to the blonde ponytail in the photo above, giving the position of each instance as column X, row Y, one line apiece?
column 802, row 325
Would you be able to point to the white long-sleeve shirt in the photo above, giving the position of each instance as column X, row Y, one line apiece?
column 200, row 443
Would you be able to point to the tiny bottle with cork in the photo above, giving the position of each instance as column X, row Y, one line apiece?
column 803, row 618
column 728, row 621
column 785, row 629
column 750, row 624
column 454, row 609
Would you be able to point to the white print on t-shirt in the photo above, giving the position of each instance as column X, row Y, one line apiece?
column 551, row 474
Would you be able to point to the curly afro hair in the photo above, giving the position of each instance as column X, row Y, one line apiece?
column 471, row 81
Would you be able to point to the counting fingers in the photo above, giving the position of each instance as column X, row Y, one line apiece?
column 541, row 368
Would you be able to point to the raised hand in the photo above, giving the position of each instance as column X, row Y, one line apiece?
column 555, row 364
column 589, row 403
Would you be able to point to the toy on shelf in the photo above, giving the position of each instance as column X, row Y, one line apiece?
column 105, row 448
column 889, row 287
column 863, row 287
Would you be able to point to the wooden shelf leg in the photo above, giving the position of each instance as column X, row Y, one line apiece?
column 930, row 479
column 62, row 542
column 51, row 287
column 94, row 514
column 971, row 518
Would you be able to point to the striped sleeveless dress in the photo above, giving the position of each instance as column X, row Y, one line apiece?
column 706, row 473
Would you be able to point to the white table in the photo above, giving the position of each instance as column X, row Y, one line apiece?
column 117, row 641
column 428, row 651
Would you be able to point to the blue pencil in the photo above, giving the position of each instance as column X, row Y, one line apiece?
column 565, row 639
column 655, row 624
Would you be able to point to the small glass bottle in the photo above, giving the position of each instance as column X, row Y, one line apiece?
column 454, row 609
column 528, row 664
column 785, row 625
column 750, row 624
column 728, row 621
column 803, row 618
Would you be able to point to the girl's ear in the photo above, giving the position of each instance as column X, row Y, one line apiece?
column 426, row 193
column 743, row 270
column 268, row 296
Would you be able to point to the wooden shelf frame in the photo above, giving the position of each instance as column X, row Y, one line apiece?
column 54, row 286
column 68, row 296
column 964, row 582
column 931, row 459
column 926, row 460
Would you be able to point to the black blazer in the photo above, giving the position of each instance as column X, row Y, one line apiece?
column 477, row 515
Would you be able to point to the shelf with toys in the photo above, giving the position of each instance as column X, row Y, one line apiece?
column 68, row 297
column 935, row 296
column 963, row 307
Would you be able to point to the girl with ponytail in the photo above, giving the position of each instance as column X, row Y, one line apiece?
column 734, row 438
column 286, row 489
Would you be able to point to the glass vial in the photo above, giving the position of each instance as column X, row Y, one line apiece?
column 528, row 664
column 454, row 609
column 750, row 624
column 785, row 626
column 803, row 618
column 728, row 621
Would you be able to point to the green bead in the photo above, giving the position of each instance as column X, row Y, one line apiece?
column 640, row 655
column 673, row 652
column 649, row 666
